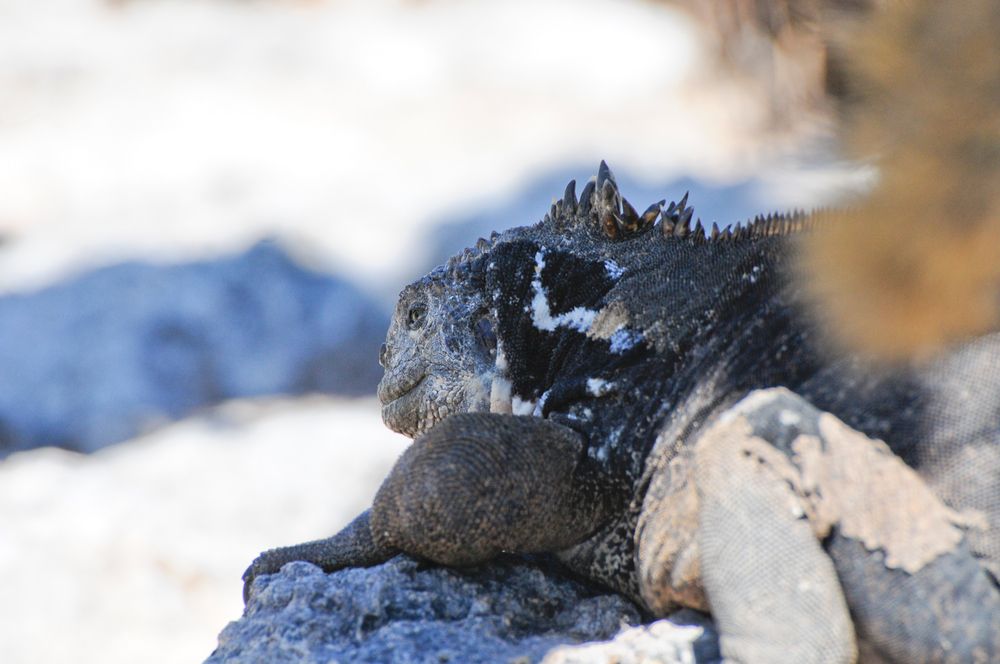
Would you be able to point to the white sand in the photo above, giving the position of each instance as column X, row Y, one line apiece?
column 178, row 127
column 134, row 554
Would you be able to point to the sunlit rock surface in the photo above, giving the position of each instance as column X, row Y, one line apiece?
column 510, row 610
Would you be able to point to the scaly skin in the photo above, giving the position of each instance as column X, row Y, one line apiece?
column 435, row 364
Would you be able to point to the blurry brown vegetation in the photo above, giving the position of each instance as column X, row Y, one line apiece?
column 918, row 264
column 915, row 87
column 778, row 49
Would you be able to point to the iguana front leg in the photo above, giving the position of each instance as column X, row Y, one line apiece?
column 475, row 485
column 801, row 517
column 771, row 588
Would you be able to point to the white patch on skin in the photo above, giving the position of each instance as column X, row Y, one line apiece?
column 578, row 318
column 612, row 442
column 540, row 260
column 500, row 399
column 614, row 270
column 501, row 360
column 479, row 390
column 599, row 453
column 521, row 407
column 624, row 339
column 614, row 438
column 598, row 387
column 540, row 406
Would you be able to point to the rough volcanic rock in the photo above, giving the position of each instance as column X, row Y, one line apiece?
column 407, row 611
column 116, row 351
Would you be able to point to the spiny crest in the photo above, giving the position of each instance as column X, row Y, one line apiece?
column 600, row 202
column 464, row 264
column 779, row 224
column 676, row 221
column 602, row 205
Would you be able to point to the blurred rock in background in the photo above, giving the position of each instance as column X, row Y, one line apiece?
column 114, row 352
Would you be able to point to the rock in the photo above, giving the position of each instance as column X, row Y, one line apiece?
column 119, row 350
column 687, row 637
column 511, row 610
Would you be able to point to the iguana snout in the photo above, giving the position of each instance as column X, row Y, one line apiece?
column 438, row 356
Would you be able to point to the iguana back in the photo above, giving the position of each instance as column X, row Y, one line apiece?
column 626, row 326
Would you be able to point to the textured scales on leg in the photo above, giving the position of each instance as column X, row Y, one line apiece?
column 771, row 587
column 480, row 484
column 914, row 588
column 471, row 488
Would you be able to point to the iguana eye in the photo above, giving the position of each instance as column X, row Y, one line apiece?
column 416, row 315
column 485, row 335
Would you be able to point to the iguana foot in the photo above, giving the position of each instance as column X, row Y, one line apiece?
column 353, row 546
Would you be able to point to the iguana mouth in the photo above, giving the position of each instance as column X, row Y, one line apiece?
column 402, row 403
column 389, row 391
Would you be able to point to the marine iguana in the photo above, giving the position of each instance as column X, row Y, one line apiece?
column 650, row 402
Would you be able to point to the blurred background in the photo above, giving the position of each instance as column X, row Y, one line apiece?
column 207, row 208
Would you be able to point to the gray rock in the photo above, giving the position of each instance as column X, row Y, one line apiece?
column 116, row 351
column 406, row 611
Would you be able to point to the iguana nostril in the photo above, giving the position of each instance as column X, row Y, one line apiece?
column 383, row 355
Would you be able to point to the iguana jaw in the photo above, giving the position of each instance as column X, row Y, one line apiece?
column 391, row 387
column 402, row 414
column 401, row 397
column 433, row 398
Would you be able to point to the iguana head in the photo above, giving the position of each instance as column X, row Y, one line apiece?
column 441, row 354
column 440, row 351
